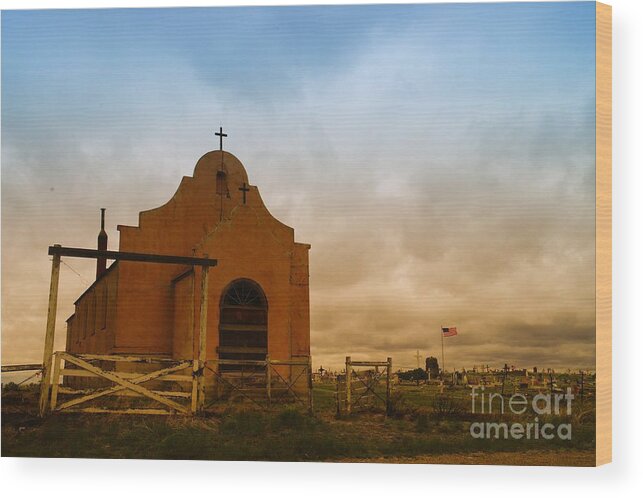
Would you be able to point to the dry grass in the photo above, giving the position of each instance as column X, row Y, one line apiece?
column 416, row 434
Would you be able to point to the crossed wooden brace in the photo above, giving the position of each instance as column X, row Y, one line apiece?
column 289, row 385
column 132, row 384
column 369, row 386
column 234, row 388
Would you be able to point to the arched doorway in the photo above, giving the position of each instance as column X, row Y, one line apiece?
column 243, row 324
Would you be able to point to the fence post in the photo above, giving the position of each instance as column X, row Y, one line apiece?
column 349, row 381
column 50, row 333
column 268, row 380
column 203, row 327
column 195, row 356
column 337, row 400
column 389, row 370
column 310, row 385
column 195, row 385
column 56, row 377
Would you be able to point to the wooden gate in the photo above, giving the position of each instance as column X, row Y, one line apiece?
column 366, row 385
column 49, row 386
column 109, row 378
column 261, row 382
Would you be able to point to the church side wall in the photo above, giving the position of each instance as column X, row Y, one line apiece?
column 300, row 301
column 91, row 329
column 144, row 321
column 183, row 322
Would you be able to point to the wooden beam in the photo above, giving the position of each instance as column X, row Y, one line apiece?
column 310, row 385
column 75, row 372
column 203, row 330
column 337, row 399
column 369, row 363
column 76, row 252
column 349, row 380
column 128, row 359
column 130, row 411
column 389, row 371
column 195, row 386
column 124, row 393
column 195, row 355
column 292, row 363
column 49, row 334
column 21, row 368
column 55, row 380
column 243, row 363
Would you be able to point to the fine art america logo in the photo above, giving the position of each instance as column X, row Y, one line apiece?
column 541, row 405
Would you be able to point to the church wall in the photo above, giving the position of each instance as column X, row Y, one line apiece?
column 300, row 301
column 91, row 328
column 145, row 289
column 208, row 216
column 144, row 321
column 183, row 319
column 248, row 247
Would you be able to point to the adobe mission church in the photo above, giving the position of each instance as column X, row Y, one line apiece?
column 258, row 297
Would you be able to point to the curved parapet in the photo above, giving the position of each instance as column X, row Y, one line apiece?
column 218, row 190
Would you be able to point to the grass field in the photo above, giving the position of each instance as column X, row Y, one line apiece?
column 419, row 431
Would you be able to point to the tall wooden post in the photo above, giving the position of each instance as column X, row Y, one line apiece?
column 268, row 380
column 349, row 381
column 195, row 357
column 49, row 334
column 203, row 326
column 310, row 385
column 194, row 398
column 337, row 399
column 389, row 371
column 54, row 381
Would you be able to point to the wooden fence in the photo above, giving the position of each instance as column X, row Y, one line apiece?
column 197, row 363
column 122, row 382
column 116, row 376
column 268, row 382
column 360, row 388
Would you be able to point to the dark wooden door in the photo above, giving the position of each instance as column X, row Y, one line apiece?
column 243, row 324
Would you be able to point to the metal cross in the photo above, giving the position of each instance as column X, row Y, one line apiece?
column 221, row 135
column 244, row 189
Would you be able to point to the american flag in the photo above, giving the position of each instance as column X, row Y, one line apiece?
column 449, row 331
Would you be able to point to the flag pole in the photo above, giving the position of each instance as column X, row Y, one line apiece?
column 443, row 366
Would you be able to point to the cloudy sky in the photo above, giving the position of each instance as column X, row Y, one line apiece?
column 439, row 159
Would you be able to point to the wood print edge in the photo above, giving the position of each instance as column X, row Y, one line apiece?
column 603, row 233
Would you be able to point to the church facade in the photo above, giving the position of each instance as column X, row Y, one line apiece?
column 258, row 294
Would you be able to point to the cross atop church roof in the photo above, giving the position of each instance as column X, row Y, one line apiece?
column 220, row 134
